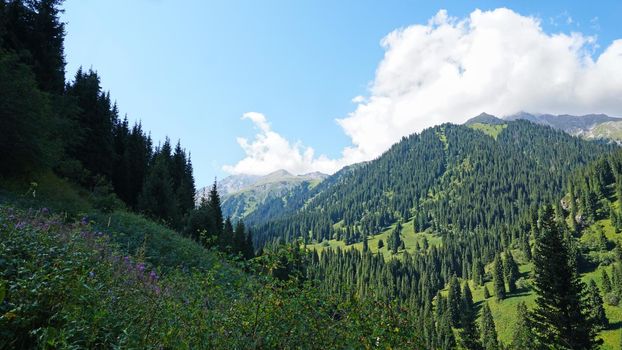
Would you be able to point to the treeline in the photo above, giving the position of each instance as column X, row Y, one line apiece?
column 74, row 127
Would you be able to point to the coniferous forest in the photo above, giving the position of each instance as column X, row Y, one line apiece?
column 457, row 237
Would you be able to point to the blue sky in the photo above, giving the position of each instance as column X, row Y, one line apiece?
column 191, row 69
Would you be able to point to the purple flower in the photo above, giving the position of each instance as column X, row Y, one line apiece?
column 85, row 220
column 20, row 225
column 45, row 211
column 140, row 267
column 153, row 275
column 91, row 274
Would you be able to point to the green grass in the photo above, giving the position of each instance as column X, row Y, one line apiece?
column 489, row 129
column 409, row 236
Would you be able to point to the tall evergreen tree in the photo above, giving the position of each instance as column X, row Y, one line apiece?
column 523, row 337
column 454, row 299
column 510, row 271
column 497, row 278
column 595, row 306
column 469, row 333
column 489, row 330
column 215, row 210
column 560, row 315
column 157, row 198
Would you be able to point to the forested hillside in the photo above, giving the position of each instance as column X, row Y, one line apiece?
column 448, row 179
column 481, row 237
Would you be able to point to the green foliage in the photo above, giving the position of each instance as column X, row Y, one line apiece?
column 67, row 286
column 497, row 277
column 489, row 330
column 523, row 337
column 561, row 317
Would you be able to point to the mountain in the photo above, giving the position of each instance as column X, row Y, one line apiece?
column 484, row 118
column 590, row 126
column 241, row 195
column 446, row 180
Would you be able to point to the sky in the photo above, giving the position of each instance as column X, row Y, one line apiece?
column 256, row 86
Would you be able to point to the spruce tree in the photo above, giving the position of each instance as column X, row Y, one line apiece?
column 380, row 244
column 606, row 282
column 454, row 299
column 227, row 237
column 523, row 337
column 486, row 292
column 489, row 331
column 560, row 316
column 215, row 211
column 595, row 307
column 469, row 334
column 497, row 278
column 157, row 199
column 510, row 271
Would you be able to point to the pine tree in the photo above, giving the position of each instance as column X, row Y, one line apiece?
column 239, row 238
column 215, row 211
column 489, row 331
column 510, row 271
column 497, row 278
column 469, row 333
column 157, row 199
column 595, row 307
column 606, row 282
column 380, row 244
column 249, row 251
column 560, row 316
column 454, row 299
column 478, row 272
column 365, row 244
column 523, row 337
column 486, row 292
column 227, row 237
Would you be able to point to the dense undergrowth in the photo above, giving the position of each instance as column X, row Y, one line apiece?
column 87, row 284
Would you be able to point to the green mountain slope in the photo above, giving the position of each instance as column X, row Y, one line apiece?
column 447, row 179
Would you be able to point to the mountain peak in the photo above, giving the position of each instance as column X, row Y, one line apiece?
column 279, row 173
column 484, row 118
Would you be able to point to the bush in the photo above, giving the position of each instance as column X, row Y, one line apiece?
column 523, row 283
column 612, row 299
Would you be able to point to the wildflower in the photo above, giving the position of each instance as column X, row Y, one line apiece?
column 140, row 267
column 45, row 211
column 85, row 220
column 92, row 274
column 153, row 275
column 20, row 225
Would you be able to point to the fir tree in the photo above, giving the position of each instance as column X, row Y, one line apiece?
column 606, row 282
column 454, row 299
column 560, row 316
column 510, row 271
column 523, row 337
column 489, row 331
column 469, row 333
column 486, row 292
column 157, row 198
column 595, row 307
column 497, row 278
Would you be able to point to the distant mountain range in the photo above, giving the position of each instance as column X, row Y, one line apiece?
column 590, row 126
column 242, row 194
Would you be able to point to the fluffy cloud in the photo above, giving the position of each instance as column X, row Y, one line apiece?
column 270, row 151
column 451, row 69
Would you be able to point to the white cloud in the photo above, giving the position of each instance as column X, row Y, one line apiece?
column 270, row 151
column 449, row 70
